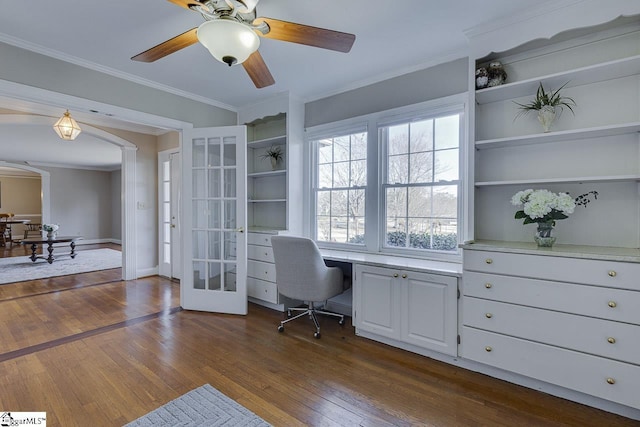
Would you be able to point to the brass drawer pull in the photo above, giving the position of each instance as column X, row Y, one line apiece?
column 489, row 315
column 488, row 261
column 611, row 381
column 488, row 285
column 612, row 304
column 488, row 349
column 612, row 273
column 611, row 340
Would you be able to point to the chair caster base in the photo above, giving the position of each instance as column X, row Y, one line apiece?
column 341, row 321
column 316, row 335
column 280, row 328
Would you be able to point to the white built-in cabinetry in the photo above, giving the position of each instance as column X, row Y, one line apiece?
column 598, row 148
column 567, row 321
column 406, row 306
column 273, row 193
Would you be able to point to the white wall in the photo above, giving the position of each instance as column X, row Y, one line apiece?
column 116, row 205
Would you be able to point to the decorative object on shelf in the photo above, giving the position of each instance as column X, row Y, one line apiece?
column 482, row 78
column 545, row 208
column 51, row 229
column 496, row 73
column 274, row 154
column 548, row 104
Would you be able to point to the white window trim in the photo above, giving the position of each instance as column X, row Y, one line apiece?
column 455, row 103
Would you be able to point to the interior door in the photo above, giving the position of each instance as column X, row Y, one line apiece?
column 214, row 223
column 169, row 259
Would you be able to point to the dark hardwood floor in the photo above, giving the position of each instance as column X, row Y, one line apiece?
column 92, row 350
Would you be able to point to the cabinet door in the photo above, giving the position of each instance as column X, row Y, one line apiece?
column 430, row 318
column 377, row 300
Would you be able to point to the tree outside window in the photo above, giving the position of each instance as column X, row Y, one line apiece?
column 340, row 188
column 421, row 184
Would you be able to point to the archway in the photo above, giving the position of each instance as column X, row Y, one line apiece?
column 127, row 183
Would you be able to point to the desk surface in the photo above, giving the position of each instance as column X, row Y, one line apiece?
column 430, row 266
column 16, row 221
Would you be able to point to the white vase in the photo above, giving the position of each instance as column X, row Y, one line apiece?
column 51, row 234
column 274, row 163
column 546, row 116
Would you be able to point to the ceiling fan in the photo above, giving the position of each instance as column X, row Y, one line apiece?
column 230, row 33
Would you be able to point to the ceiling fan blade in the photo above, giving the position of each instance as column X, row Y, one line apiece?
column 258, row 70
column 305, row 34
column 185, row 39
column 185, row 3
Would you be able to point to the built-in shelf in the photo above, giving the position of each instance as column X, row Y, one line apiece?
column 574, row 180
column 267, row 173
column 567, row 135
column 591, row 74
column 268, row 142
column 266, row 200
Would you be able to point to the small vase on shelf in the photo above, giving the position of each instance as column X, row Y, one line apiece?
column 543, row 236
column 51, row 235
column 546, row 117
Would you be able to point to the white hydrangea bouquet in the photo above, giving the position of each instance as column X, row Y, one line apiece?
column 50, row 228
column 545, row 208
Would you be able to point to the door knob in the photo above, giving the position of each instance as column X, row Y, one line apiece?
column 239, row 230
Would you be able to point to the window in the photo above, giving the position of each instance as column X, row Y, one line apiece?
column 407, row 168
column 420, row 183
column 341, row 178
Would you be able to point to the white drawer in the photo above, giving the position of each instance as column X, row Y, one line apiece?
column 261, row 270
column 615, row 340
column 261, row 239
column 259, row 289
column 594, row 272
column 605, row 303
column 570, row 369
column 260, row 253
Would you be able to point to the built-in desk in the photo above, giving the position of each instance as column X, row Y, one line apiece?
column 404, row 302
column 394, row 261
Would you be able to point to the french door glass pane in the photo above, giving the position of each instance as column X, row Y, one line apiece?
column 214, row 245
column 214, row 183
column 213, row 152
column 230, row 277
column 198, row 157
column 214, row 214
column 230, row 245
column 230, row 182
column 200, row 245
column 229, row 151
column 199, row 274
column 199, row 185
column 215, row 279
column 230, row 214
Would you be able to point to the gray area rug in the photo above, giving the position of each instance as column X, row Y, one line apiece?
column 21, row 268
column 204, row 406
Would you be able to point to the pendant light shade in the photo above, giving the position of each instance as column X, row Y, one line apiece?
column 67, row 128
column 228, row 41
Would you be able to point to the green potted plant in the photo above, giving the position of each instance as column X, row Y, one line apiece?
column 274, row 154
column 547, row 104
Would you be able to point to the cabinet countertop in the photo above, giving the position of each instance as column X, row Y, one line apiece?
column 604, row 253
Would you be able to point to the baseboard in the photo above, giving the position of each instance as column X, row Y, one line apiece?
column 146, row 272
column 94, row 241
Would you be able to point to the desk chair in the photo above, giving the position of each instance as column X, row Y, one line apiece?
column 301, row 274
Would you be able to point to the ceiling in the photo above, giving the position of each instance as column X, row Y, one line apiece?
column 392, row 38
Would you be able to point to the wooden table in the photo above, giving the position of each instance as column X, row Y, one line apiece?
column 36, row 241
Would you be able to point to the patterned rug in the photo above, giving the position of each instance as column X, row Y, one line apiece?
column 21, row 268
column 204, row 406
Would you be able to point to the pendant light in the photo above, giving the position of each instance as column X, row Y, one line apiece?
column 66, row 127
column 228, row 41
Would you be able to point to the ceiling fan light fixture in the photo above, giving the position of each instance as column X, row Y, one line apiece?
column 66, row 127
column 228, row 41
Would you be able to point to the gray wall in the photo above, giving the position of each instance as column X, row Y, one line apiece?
column 81, row 202
column 432, row 83
column 33, row 69
column 116, row 205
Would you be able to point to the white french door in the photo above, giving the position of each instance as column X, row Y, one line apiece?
column 215, row 218
column 169, row 178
